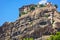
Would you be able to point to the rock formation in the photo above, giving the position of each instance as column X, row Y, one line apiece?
column 34, row 21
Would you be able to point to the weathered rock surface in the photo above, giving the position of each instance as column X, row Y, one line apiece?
column 35, row 24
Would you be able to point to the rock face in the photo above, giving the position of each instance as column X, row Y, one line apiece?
column 37, row 22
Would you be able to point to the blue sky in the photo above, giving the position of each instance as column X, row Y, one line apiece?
column 9, row 9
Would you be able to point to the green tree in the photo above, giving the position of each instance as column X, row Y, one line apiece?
column 42, row 5
column 22, row 13
column 56, row 6
column 32, row 8
column 19, row 14
column 55, row 37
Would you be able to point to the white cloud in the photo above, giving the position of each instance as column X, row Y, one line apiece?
column 43, row 2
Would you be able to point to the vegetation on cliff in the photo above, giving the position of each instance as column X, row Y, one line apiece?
column 55, row 37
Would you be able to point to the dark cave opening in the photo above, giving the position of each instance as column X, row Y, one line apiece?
column 43, row 23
